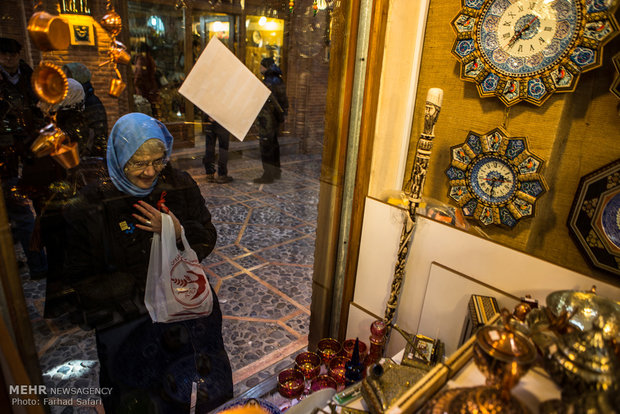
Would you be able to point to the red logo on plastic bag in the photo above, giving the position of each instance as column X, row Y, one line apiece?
column 189, row 288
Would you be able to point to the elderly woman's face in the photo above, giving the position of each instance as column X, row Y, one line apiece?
column 144, row 167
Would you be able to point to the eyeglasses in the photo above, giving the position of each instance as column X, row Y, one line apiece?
column 142, row 165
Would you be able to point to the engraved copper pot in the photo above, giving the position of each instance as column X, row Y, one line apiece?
column 67, row 155
column 117, row 86
column 503, row 355
column 50, row 138
column 50, row 83
column 583, row 361
column 49, row 32
column 586, row 307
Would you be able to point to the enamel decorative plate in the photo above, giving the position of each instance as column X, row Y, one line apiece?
column 525, row 50
column 495, row 179
column 594, row 220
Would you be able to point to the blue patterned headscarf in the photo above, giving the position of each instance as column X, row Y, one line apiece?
column 127, row 135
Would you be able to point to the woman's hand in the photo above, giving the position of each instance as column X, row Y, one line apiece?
column 151, row 218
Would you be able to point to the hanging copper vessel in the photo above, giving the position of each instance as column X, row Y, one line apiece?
column 112, row 22
column 50, row 83
column 67, row 155
column 50, row 138
column 118, row 53
column 49, row 32
column 117, row 86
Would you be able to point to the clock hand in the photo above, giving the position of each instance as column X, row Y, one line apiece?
column 497, row 180
column 518, row 35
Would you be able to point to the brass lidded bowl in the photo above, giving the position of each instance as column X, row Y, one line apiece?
column 49, row 32
column 50, row 83
column 585, row 308
column 474, row 400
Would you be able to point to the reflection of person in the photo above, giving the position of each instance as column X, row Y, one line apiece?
column 215, row 132
column 20, row 121
column 110, row 228
column 94, row 111
column 269, row 119
column 145, row 76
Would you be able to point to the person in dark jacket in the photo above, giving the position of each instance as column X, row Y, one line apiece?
column 269, row 119
column 20, row 121
column 110, row 228
column 94, row 111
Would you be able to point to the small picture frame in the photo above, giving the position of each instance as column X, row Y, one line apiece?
column 82, row 34
column 422, row 352
column 81, row 29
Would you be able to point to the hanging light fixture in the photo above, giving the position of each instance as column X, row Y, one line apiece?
column 321, row 4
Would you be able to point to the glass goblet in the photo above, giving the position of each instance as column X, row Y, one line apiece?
column 309, row 363
column 349, row 344
column 291, row 383
column 328, row 348
column 337, row 368
column 322, row 382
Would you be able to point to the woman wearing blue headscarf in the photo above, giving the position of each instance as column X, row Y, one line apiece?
column 149, row 366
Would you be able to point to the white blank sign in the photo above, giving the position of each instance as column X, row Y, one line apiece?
column 221, row 86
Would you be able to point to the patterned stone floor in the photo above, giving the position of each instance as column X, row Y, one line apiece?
column 261, row 270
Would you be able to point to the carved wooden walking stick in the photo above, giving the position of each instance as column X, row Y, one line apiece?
column 413, row 193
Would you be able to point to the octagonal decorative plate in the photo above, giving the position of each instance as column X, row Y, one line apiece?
column 594, row 219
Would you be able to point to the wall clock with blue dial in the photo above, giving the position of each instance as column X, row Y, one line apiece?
column 495, row 179
column 526, row 50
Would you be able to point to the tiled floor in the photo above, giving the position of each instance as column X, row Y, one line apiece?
column 261, row 269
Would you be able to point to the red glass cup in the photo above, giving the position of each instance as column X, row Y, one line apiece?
column 291, row 383
column 328, row 348
column 322, row 382
column 349, row 344
column 309, row 363
column 337, row 368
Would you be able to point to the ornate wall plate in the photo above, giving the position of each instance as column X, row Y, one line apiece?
column 594, row 220
column 525, row 50
column 494, row 178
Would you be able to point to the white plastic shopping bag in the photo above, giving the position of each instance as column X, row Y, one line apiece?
column 176, row 285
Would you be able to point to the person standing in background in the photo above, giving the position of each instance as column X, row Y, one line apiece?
column 94, row 111
column 20, row 121
column 215, row 132
column 269, row 119
column 145, row 77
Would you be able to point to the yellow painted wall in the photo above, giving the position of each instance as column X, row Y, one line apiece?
column 576, row 133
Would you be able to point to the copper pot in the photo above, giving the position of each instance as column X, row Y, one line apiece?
column 50, row 83
column 503, row 354
column 118, row 53
column 67, row 155
column 50, row 138
column 117, row 86
column 112, row 23
column 49, row 32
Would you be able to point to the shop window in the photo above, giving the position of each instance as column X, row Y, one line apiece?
column 264, row 38
column 157, row 36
